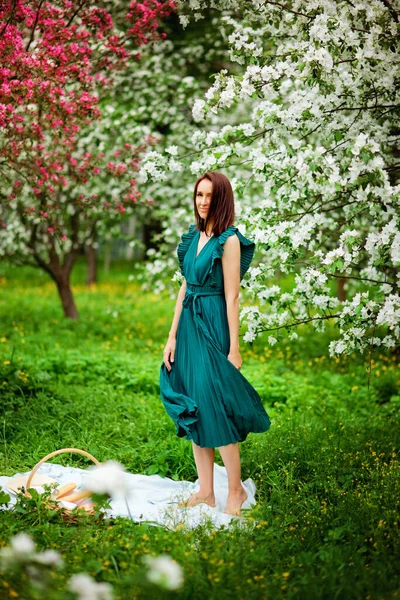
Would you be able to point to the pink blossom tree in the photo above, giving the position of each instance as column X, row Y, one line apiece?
column 57, row 60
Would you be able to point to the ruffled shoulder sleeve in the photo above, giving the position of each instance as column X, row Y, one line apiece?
column 247, row 249
column 183, row 246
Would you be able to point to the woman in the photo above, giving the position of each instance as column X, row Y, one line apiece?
column 210, row 401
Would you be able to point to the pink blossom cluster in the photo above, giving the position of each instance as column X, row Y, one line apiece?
column 55, row 56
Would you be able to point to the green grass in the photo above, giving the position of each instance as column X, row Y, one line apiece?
column 327, row 471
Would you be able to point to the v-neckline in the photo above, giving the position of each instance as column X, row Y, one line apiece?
column 197, row 244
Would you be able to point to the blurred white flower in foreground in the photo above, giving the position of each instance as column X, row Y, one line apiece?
column 107, row 478
column 87, row 588
column 22, row 545
column 22, row 550
column 164, row 571
column 48, row 557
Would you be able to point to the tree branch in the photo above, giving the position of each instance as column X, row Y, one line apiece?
column 362, row 108
column 294, row 12
column 345, row 60
column 377, row 281
column 359, row 278
column 76, row 12
column 301, row 322
column 391, row 10
column 34, row 26
column 9, row 18
column 44, row 266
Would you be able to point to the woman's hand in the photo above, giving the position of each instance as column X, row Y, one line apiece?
column 235, row 358
column 169, row 352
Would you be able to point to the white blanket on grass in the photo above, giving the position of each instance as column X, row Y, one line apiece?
column 153, row 498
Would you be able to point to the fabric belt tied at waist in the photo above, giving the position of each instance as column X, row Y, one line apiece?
column 191, row 298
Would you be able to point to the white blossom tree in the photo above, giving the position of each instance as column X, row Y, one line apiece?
column 311, row 145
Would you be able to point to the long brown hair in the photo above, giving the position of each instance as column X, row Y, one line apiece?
column 222, row 208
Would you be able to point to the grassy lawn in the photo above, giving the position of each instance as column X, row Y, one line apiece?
column 327, row 471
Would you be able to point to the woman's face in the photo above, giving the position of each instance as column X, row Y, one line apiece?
column 203, row 197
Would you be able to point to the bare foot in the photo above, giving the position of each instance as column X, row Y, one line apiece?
column 197, row 499
column 235, row 501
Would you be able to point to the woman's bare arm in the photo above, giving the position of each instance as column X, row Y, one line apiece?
column 231, row 270
column 169, row 350
column 178, row 310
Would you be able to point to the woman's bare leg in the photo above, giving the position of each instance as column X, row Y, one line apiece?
column 204, row 458
column 237, row 495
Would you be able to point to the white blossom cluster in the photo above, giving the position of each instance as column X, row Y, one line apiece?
column 308, row 129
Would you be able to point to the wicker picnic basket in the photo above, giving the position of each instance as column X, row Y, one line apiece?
column 65, row 512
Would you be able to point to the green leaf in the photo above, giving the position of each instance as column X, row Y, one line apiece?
column 338, row 136
column 34, row 493
column 152, row 470
column 4, row 498
column 366, row 157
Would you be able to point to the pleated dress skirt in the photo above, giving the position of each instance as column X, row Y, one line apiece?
column 206, row 396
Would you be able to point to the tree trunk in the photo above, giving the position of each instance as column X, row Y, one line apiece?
column 341, row 292
column 131, row 234
column 67, row 299
column 60, row 272
column 91, row 265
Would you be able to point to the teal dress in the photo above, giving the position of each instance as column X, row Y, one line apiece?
column 206, row 396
